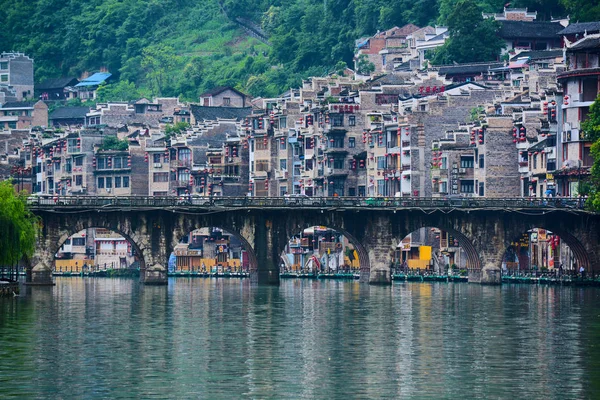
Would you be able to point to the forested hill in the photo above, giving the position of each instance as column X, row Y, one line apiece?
column 182, row 47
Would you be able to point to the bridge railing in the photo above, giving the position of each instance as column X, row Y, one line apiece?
column 112, row 202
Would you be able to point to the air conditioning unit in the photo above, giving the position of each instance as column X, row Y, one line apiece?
column 574, row 97
column 462, row 170
column 157, row 165
column 107, row 190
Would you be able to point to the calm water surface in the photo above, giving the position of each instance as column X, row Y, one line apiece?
column 209, row 338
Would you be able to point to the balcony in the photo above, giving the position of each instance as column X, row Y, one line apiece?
column 181, row 163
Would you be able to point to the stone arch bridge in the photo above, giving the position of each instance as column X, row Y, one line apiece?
column 483, row 227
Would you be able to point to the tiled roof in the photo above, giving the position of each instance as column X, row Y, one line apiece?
column 535, row 29
column 220, row 89
column 538, row 54
column 213, row 113
column 581, row 28
column 460, row 69
column 18, row 104
column 587, row 43
column 69, row 113
column 95, row 79
column 56, row 83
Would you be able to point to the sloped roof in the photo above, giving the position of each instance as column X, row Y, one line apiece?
column 69, row 113
column 388, row 79
column 459, row 69
column 56, row 83
column 581, row 28
column 95, row 79
column 219, row 89
column 213, row 113
column 19, row 104
column 535, row 29
column 587, row 43
column 538, row 54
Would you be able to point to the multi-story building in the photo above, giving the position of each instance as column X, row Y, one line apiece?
column 16, row 73
column 580, row 85
column 23, row 115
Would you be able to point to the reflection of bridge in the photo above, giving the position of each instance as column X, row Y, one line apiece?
column 483, row 227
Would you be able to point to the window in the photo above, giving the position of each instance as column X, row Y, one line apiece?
column 282, row 190
column 308, row 165
column 78, row 161
column 338, row 142
column 261, row 144
column 117, row 181
column 78, row 180
column 467, row 186
column 338, row 163
column 466, row 162
column 100, row 183
column 4, row 65
column 125, row 181
column 184, row 154
column 226, row 101
column 352, row 120
column 156, row 158
column 3, row 78
column 481, row 185
column 337, row 120
column 79, row 241
column 118, row 163
column 109, row 182
column 443, row 187
column 57, row 166
column 381, row 187
column 352, row 192
column 12, row 125
column 481, row 161
column 160, row 177
column 283, row 165
column 262, row 165
column 283, row 144
column 380, row 162
column 68, row 167
column 351, row 142
column 101, row 163
column 282, row 122
column 362, row 191
column 308, row 144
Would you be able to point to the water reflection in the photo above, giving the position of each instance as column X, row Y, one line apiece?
column 210, row 338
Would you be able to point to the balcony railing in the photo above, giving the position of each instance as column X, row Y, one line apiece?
column 116, row 203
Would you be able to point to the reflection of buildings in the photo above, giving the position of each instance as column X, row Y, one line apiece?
column 95, row 247
column 210, row 250
column 319, row 249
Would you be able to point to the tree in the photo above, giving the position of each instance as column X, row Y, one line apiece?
column 18, row 226
column 176, row 129
column 591, row 129
column 113, row 143
column 159, row 61
column 364, row 66
column 120, row 91
column 472, row 38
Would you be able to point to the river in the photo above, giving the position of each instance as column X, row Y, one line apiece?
column 224, row 338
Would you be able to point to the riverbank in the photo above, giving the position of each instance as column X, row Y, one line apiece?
column 9, row 288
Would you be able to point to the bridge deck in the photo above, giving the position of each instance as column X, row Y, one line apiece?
column 112, row 203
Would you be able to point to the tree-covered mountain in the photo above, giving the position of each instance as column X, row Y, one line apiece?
column 183, row 47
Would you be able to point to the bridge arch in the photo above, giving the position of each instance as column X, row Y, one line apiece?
column 363, row 258
column 188, row 223
column 411, row 224
column 142, row 253
column 580, row 253
column 294, row 224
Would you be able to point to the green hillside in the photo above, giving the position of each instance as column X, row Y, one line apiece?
column 183, row 47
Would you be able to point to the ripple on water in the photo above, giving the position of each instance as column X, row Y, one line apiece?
column 208, row 338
